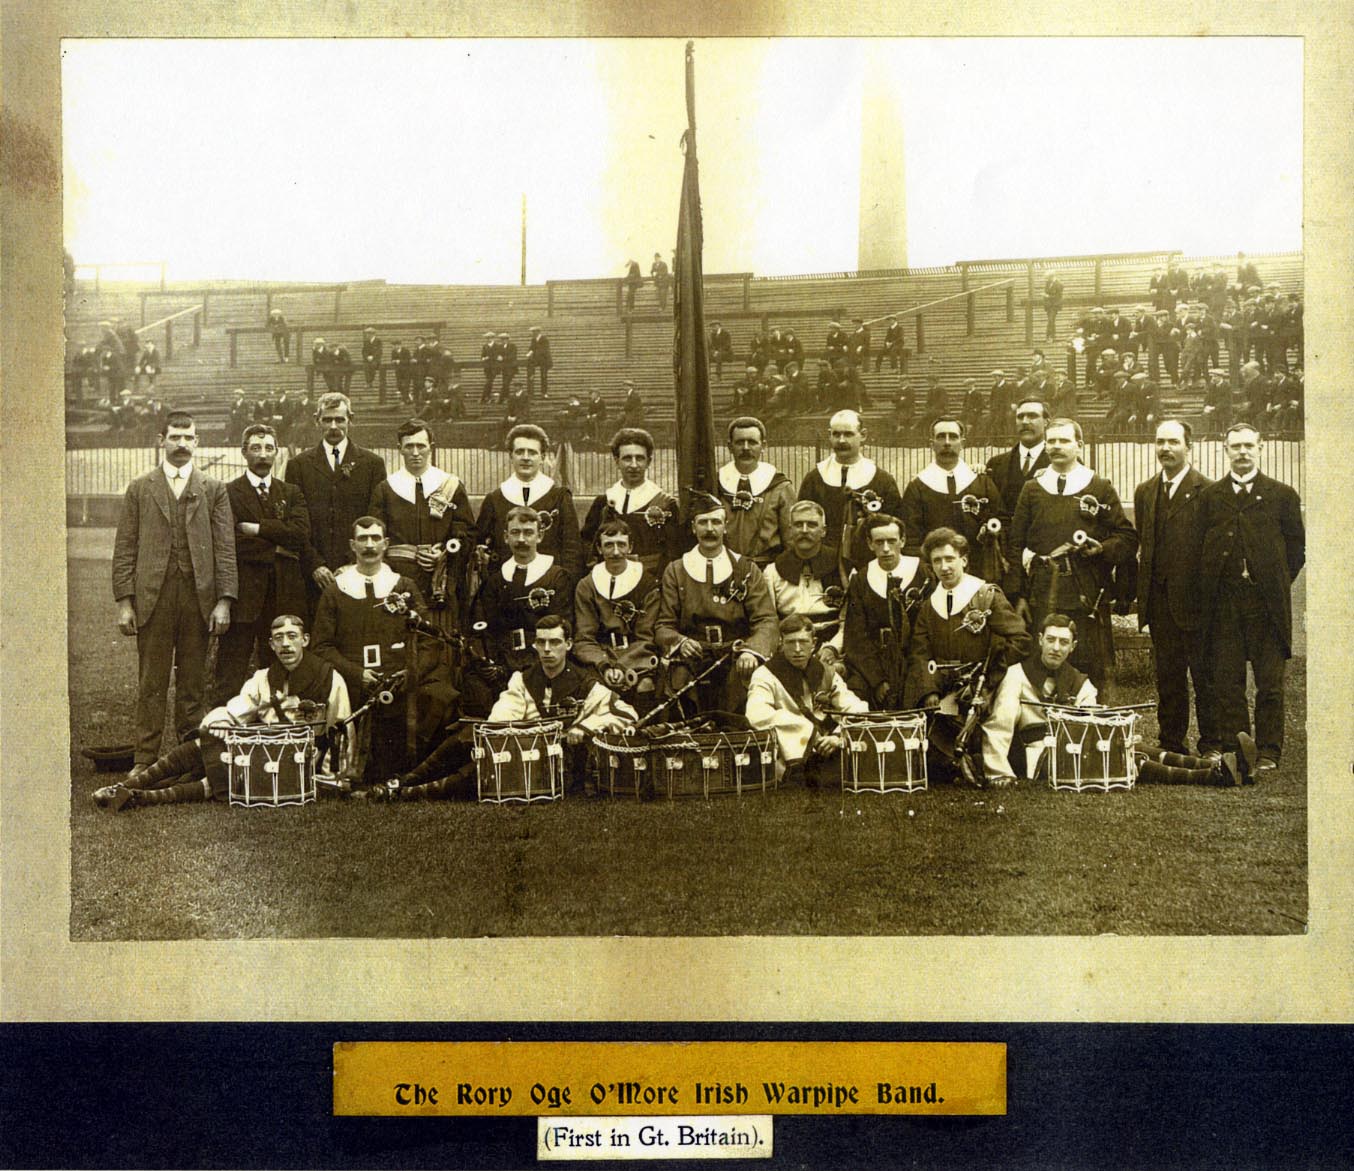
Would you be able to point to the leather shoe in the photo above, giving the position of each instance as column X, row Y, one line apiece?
column 1229, row 770
column 1266, row 764
column 112, row 797
column 1246, row 757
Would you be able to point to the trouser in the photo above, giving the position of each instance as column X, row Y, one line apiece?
column 489, row 375
column 174, row 637
column 1178, row 655
column 282, row 344
column 1243, row 631
column 545, row 379
column 237, row 645
column 1051, row 332
column 369, row 369
column 404, row 383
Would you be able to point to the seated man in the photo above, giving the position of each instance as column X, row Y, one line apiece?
column 298, row 687
column 963, row 640
column 616, row 608
column 807, row 578
column 795, row 696
column 551, row 688
column 1047, row 677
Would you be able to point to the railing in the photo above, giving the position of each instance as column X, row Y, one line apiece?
column 268, row 292
column 100, row 268
column 709, row 278
column 233, row 332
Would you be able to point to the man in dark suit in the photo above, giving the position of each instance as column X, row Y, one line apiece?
column 1012, row 468
column 1253, row 546
column 371, row 355
column 539, row 358
column 1053, row 303
column 507, row 361
column 271, row 528
column 174, row 580
column 1166, row 514
column 337, row 479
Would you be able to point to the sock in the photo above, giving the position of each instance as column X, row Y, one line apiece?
column 1202, row 773
column 178, row 760
column 438, row 761
column 178, row 794
column 444, row 787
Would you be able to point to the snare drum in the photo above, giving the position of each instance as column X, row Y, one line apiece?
column 883, row 752
column 270, row 764
column 623, row 765
column 709, row 764
column 1091, row 750
column 519, row 762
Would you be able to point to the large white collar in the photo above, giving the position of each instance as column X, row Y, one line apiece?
column 963, row 594
column 626, row 580
column 402, row 483
column 878, row 579
column 535, row 569
column 354, row 584
column 639, row 497
column 170, row 471
column 759, row 479
column 267, row 482
column 1077, row 479
column 933, row 476
column 695, row 562
column 858, row 474
column 512, row 488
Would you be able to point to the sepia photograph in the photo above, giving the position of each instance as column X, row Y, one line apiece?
column 758, row 487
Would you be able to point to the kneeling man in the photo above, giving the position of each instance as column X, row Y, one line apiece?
column 795, row 696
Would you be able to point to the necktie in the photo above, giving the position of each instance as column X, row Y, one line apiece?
column 744, row 485
column 1062, row 484
column 176, row 483
column 710, row 572
column 263, row 496
column 519, row 576
column 611, row 589
column 625, row 504
column 420, row 500
column 526, row 494
column 1025, row 468
column 844, row 471
column 949, row 603
column 336, row 459
column 1242, row 486
column 950, row 486
column 1170, row 489
column 371, row 590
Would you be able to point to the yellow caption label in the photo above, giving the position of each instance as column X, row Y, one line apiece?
column 583, row 1078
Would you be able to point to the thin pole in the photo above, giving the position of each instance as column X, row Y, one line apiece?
column 524, row 238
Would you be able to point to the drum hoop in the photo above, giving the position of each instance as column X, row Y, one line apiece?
column 519, row 727
column 266, row 733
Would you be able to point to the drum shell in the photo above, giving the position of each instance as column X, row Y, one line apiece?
column 519, row 763
column 249, row 753
column 704, row 764
column 1092, row 767
column 884, row 753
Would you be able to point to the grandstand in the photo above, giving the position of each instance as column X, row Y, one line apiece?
column 976, row 316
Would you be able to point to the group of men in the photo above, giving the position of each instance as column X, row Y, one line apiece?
column 926, row 597
column 116, row 363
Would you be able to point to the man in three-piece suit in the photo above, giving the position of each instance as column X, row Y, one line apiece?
column 1253, row 547
column 337, row 479
column 1166, row 511
column 272, row 526
column 174, row 580
column 1027, row 458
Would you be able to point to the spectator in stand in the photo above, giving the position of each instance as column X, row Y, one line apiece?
column 402, row 358
column 571, row 421
column 825, row 387
column 1159, row 290
column 661, row 279
column 632, row 412
column 85, row 369
column 1000, row 400
column 633, row 280
column 506, row 355
column 1291, row 397
column 797, row 390
column 1062, row 395
column 836, row 344
column 1164, row 344
column 1195, row 356
column 1120, row 331
column 1247, row 275
column 281, row 332
column 1053, row 303
column 721, row 349
column 487, row 360
column 759, row 351
column 113, row 363
column 131, row 344
column 937, row 403
column 859, row 352
column 147, row 363
column 516, row 409
column 343, row 368
column 974, row 413
column 750, row 394
column 322, row 363
column 1217, row 403
column 894, row 349
column 444, row 369
column 794, row 352
column 371, row 355
column 539, row 358
column 904, row 407
column 241, row 414
column 775, row 349
column 425, row 354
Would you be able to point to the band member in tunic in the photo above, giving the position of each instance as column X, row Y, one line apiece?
column 296, row 687
column 963, row 640
column 430, row 524
column 616, row 610
column 1068, row 533
column 714, row 603
column 756, row 495
column 947, row 493
column 882, row 600
column 656, row 533
column 795, row 696
column 528, row 487
column 848, row 485
column 360, row 629
column 806, row 579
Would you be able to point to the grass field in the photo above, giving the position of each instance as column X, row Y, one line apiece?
column 1027, row 861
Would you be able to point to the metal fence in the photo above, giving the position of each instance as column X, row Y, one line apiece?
column 106, row 471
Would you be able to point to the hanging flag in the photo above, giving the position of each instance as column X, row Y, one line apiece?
column 696, row 461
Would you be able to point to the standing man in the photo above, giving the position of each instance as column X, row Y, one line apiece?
column 1053, row 303
column 489, row 360
column 659, row 271
column 539, row 358
column 1253, row 546
column 337, row 478
column 371, row 355
column 947, row 493
column 507, row 360
column 343, row 368
column 1012, row 468
column 632, row 281
column 756, row 495
column 999, row 401
column 1167, row 511
column 281, row 334
column 174, row 579
column 271, row 530
column 402, row 358
column 528, row 487
column 860, row 344
column 1068, row 533
column 721, row 348
column 848, row 486
column 651, row 515
column 893, row 347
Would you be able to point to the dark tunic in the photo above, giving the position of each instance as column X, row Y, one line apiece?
column 559, row 535
column 878, row 632
column 847, row 507
column 510, row 612
column 656, row 533
column 926, row 509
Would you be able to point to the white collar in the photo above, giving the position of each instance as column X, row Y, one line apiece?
column 512, row 488
column 858, row 474
column 1077, row 479
column 639, row 497
column 171, row 471
column 265, row 483
column 1033, row 452
column 1244, row 479
column 963, row 594
column 626, row 580
column 759, row 479
column 904, row 571
column 933, row 476
column 328, row 449
column 535, row 568
column 354, row 583
column 695, row 562
column 402, row 483
column 1174, row 481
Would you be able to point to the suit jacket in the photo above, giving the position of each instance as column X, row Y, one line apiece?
column 144, row 541
column 1267, row 523
column 275, row 553
column 334, row 500
column 1005, row 471
column 1180, row 543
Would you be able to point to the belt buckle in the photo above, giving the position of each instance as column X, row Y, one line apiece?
column 371, row 656
column 714, row 635
column 519, row 639
column 619, row 640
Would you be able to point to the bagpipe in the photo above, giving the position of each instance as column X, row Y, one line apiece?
column 992, row 564
column 343, row 751
column 723, row 652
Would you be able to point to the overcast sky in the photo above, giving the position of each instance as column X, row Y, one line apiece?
column 408, row 160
